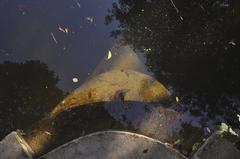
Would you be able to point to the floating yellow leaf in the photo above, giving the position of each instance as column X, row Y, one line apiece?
column 177, row 99
column 109, row 55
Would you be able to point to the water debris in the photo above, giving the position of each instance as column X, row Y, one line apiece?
column 63, row 29
column 232, row 43
column 233, row 132
column 225, row 128
column 147, row 49
column 109, row 55
column 75, row 80
column 89, row 19
column 54, row 39
column 78, row 4
column 208, row 130
column 177, row 99
column 48, row 133
column 177, row 10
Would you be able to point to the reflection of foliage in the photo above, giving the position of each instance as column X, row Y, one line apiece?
column 197, row 55
column 190, row 138
column 196, row 146
column 27, row 91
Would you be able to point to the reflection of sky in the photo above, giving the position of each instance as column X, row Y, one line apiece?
column 26, row 27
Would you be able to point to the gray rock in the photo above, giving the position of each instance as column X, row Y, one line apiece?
column 14, row 147
column 114, row 145
column 217, row 147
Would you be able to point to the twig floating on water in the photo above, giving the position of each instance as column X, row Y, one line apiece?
column 177, row 10
column 78, row 4
column 64, row 30
column 54, row 39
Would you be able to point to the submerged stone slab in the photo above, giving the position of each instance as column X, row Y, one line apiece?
column 131, row 85
column 217, row 147
column 114, row 145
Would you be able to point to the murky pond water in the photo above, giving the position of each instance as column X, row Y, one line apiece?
column 167, row 69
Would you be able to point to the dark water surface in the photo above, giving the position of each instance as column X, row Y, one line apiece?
column 27, row 28
column 49, row 48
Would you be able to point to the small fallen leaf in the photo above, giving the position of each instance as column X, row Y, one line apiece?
column 109, row 55
column 177, row 99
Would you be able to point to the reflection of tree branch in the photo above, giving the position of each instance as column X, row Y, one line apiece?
column 29, row 90
column 176, row 9
column 199, row 56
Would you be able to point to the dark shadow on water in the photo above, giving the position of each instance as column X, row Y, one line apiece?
column 28, row 91
column 138, row 117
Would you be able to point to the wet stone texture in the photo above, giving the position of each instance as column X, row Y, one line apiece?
column 14, row 147
column 114, row 145
column 218, row 146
